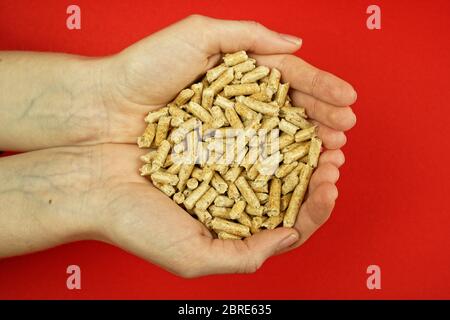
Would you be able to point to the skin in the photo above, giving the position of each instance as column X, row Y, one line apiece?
column 81, row 117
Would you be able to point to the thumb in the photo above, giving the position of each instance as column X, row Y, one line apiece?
column 215, row 35
column 247, row 256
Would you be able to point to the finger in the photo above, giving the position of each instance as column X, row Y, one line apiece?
column 246, row 256
column 325, row 172
column 332, row 139
column 216, row 35
column 306, row 78
column 335, row 157
column 316, row 210
column 341, row 118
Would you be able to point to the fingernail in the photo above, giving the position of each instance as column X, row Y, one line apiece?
column 288, row 241
column 291, row 39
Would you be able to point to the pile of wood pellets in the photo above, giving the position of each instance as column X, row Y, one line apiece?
column 232, row 150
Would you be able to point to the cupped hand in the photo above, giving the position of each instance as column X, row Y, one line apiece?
column 137, row 217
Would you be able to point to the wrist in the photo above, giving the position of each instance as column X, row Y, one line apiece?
column 89, row 95
column 115, row 119
column 45, row 196
column 80, row 207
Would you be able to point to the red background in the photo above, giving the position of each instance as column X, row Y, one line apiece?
column 393, row 208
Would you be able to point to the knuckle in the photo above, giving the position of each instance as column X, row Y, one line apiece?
column 335, row 173
column 187, row 273
column 342, row 118
column 284, row 62
column 252, row 24
column 320, row 218
column 198, row 260
column 326, row 173
column 250, row 262
column 251, row 265
column 336, row 141
column 253, row 30
column 297, row 244
column 336, row 195
column 327, row 198
column 313, row 109
column 323, row 219
column 333, row 116
column 196, row 19
column 316, row 80
column 252, row 33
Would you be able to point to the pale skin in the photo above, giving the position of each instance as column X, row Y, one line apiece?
column 79, row 119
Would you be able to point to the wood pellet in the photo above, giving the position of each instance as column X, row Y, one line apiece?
column 232, row 150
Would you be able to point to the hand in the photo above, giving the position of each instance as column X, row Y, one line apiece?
column 137, row 217
column 94, row 192
column 150, row 73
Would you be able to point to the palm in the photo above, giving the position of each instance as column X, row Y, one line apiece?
column 152, row 226
column 154, row 70
column 157, row 80
column 141, row 214
column 144, row 84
